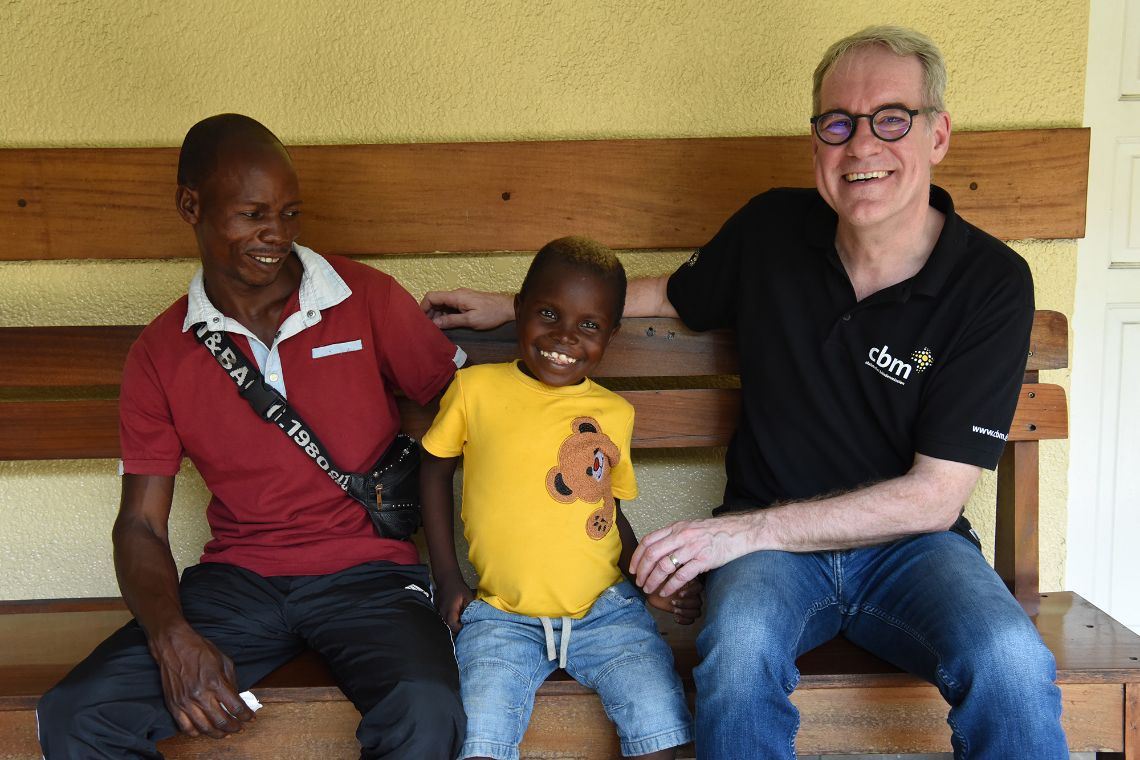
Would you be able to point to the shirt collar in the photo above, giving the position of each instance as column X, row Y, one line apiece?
column 948, row 249
column 822, row 222
column 321, row 288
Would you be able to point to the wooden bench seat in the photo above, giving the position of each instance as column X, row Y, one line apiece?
column 58, row 399
column 851, row 701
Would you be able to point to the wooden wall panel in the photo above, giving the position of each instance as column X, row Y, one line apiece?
column 112, row 203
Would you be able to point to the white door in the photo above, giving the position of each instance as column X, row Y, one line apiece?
column 1104, row 417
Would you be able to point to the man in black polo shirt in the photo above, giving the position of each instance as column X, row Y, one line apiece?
column 883, row 341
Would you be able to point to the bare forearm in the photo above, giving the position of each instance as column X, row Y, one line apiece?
column 144, row 565
column 875, row 514
column 628, row 542
column 438, row 510
column 148, row 577
column 198, row 681
column 928, row 498
column 648, row 297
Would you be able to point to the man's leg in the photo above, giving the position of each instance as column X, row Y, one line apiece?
column 933, row 606
column 391, row 655
column 763, row 611
column 112, row 705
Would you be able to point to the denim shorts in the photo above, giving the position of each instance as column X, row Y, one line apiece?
column 615, row 650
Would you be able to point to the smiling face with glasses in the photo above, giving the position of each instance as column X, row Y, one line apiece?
column 879, row 172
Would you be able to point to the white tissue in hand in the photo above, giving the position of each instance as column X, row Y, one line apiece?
column 250, row 700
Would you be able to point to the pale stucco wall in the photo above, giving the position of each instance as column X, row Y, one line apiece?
column 139, row 72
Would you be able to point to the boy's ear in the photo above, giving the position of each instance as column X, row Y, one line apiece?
column 188, row 205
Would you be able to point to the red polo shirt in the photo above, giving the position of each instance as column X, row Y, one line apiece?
column 272, row 511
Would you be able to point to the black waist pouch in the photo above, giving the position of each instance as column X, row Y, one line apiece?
column 390, row 490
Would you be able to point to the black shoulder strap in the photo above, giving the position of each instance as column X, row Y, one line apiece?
column 269, row 405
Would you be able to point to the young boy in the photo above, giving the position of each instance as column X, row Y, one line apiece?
column 546, row 458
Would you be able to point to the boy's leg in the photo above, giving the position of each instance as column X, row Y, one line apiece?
column 933, row 606
column 391, row 655
column 502, row 660
column 763, row 610
column 617, row 651
column 112, row 703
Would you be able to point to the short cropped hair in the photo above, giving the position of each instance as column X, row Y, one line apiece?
column 900, row 41
column 202, row 146
column 581, row 253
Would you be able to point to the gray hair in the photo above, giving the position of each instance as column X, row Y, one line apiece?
column 899, row 40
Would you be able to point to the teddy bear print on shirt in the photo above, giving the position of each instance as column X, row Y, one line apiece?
column 583, row 472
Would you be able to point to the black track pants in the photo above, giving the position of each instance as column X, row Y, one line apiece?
column 374, row 625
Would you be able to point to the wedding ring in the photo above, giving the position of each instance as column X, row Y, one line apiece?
column 676, row 562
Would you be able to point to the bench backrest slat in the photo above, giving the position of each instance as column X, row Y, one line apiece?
column 117, row 203
column 670, row 418
column 82, row 365
column 61, row 357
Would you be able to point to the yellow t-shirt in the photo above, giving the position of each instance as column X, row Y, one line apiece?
column 541, row 469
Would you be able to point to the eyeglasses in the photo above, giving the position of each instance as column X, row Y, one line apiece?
column 888, row 123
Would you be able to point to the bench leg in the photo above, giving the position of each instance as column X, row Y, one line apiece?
column 1131, row 726
column 1132, row 721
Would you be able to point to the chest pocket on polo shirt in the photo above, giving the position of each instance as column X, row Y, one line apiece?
column 333, row 349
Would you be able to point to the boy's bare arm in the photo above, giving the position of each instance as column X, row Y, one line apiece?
column 452, row 592
column 685, row 605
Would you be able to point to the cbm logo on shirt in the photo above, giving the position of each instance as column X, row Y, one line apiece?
column 895, row 369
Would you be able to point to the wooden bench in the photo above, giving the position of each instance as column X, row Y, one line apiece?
column 59, row 399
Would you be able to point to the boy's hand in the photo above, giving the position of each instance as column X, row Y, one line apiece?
column 685, row 604
column 452, row 597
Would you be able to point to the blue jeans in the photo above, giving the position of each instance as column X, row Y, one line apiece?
column 615, row 649
column 929, row 604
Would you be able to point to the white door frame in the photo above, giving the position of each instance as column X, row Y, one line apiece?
column 1104, row 458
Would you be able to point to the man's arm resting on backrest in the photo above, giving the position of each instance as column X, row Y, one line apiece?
column 197, row 679
column 926, row 499
column 480, row 310
column 648, row 297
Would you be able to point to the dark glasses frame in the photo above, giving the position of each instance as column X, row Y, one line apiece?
column 818, row 119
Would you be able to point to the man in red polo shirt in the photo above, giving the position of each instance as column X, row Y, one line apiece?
column 293, row 562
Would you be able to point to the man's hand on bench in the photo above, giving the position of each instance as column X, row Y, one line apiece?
column 464, row 307
column 199, row 684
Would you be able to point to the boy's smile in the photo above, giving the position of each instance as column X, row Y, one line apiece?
column 558, row 358
column 564, row 324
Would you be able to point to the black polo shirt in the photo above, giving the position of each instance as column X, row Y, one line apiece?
column 837, row 393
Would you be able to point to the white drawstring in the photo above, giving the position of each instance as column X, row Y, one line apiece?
column 549, row 630
column 564, row 649
column 565, row 642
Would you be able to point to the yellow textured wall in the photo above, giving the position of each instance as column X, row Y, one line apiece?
column 139, row 72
